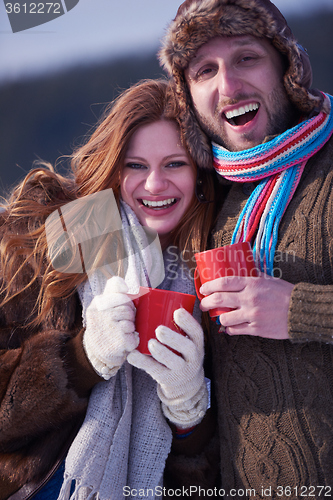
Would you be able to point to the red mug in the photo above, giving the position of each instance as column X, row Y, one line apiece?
column 155, row 307
column 231, row 260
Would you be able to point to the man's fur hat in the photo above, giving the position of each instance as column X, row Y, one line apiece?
column 198, row 21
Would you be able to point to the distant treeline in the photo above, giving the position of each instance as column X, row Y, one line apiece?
column 46, row 117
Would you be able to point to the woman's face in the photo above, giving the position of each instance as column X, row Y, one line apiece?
column 158, row 177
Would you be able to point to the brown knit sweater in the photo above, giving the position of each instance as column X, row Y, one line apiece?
column 275, row 398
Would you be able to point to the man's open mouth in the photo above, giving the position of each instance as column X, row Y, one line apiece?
column 159, row 205
column 242, row 115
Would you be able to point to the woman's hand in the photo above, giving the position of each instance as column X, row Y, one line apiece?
column 181, row 382
column 110, row 330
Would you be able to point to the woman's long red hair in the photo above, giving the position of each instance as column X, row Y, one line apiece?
column 95, row 166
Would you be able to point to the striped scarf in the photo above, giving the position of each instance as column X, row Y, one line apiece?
column 278, row 166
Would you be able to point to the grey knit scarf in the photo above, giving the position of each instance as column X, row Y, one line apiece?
column 121, row 448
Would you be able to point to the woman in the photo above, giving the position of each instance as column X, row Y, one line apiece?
column 51, row 368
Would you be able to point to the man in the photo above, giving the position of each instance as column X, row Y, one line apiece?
column 243, row 82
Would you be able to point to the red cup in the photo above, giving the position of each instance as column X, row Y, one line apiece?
column 231, row 260
column 155, row 307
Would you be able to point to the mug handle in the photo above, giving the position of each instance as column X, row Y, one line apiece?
column 197, row 283
column 213, row 312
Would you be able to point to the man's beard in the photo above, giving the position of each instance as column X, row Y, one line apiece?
column 281, row 116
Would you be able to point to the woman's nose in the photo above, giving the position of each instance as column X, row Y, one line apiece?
column 156, row 182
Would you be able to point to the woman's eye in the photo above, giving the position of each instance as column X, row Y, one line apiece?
column 176, row 164
column 135, row 166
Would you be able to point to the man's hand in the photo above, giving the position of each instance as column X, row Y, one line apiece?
column 260, row 304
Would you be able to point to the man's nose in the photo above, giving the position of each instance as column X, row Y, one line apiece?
column 156, row 182
column 228, row 82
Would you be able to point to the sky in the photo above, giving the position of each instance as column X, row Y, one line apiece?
column 96, row 30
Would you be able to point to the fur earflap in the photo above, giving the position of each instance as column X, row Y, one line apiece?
column 198, row 21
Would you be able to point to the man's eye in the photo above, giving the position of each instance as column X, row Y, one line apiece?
column 204, row 73
column 248, row 59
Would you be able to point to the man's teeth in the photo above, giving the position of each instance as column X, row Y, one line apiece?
column 161, row 203
column 241, row 111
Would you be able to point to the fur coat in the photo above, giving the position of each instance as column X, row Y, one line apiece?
column 42, row 399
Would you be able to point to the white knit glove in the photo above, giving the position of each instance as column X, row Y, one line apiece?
column 110, row 331
column 181, row 382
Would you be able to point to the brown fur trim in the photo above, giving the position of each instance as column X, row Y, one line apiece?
column 38, row 409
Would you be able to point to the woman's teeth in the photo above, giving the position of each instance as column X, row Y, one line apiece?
column 158, row 204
